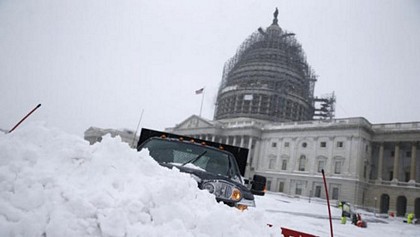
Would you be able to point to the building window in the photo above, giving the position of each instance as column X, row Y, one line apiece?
column 340, row 144
column 272, row 163
column 392, row 153
column 335, row 193
column 284, row 165
column 286, row 144
column 274, row 144
column 321, row 165
column 281, row 187
column 317, row 191
column 302, row 162
column 298, row 190
column 337, row 167
column 268, row 185
column 323, row 144
column 408, row 154
column 304, row 145
column 407, row 176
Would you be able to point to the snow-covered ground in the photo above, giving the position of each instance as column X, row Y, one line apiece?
column 56, row 184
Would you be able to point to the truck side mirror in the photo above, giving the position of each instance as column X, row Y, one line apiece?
column 258, row 185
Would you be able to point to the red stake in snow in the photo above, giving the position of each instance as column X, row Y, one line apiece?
column 11, row 130
column 328, row 202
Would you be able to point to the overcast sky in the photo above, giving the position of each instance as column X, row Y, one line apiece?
column 101, row 63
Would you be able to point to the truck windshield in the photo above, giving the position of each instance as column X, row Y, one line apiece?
column 193, row 155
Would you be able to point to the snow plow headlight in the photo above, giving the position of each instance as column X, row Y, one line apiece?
column 222, row 190
column 209, row 187
column 236, row 194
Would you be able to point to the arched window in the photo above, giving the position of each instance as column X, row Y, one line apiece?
column 271, row 162
column 284, row 160
column 321, row 165
column 384, row 203
column 417, row 208
column 401, row 205
column 284, row 164
column 338, row 165
column 302, row 163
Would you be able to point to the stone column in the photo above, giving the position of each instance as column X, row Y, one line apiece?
column 380, row 161
column 253, row 160
column 259, row 156
column 234, row 141
column 396, row 162
column 370, row 162
column 250, row 158
column 250, row 144
column 349, row 151
column 313, row 166
column 294, row 156
column 330, row 159
column 413, row 163
column 242, row 141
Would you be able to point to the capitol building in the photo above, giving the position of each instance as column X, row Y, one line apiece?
column 266, row 103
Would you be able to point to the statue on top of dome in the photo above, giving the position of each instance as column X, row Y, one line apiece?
column 276, row 13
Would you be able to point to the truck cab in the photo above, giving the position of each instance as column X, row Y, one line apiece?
column 214, row 168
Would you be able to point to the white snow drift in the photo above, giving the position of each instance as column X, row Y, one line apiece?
column 55, row 184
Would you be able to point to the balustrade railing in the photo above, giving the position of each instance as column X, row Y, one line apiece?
column 395, row 183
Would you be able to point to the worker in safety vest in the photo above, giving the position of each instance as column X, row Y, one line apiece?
column 410, row 218
column 345, row 207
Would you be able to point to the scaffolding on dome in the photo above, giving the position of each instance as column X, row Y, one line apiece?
column 324, row 107
column 269, row 79
column 281, row 40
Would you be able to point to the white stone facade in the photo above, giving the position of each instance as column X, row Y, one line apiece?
column 356, row 156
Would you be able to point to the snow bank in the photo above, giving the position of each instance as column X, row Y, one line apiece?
column 56, row 184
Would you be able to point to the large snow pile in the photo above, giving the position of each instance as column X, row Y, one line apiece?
column 55, row 184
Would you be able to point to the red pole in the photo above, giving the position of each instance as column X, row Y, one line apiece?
column 11, row 130
column 328, row 202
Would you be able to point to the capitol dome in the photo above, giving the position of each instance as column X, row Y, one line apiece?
column 267, row 79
